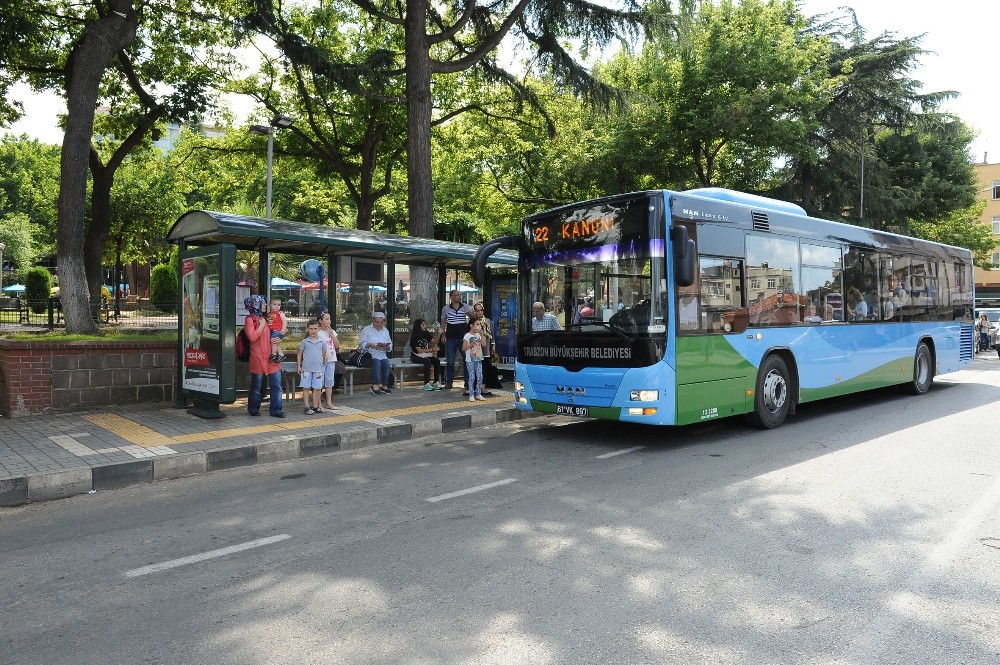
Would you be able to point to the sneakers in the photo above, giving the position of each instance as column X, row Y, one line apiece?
column 375, row 391
column 437, row 386
column 278, row 415
column 472, row 399
column 318, row 409
column 428, row 386
column 386, row 391
column 309, row 412
column 480, row 398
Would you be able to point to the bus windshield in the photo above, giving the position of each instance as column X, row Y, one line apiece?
column 592, row 268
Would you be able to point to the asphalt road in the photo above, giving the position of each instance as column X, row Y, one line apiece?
column 866, row 530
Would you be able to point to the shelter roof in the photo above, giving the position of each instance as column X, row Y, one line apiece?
column 206, row 227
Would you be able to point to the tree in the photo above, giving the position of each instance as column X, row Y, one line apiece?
column 113, row 29
column 444, row 39
column 739, row 86
column 962, row 228
column 873, row 94
column 90, row 50
column 349, row 119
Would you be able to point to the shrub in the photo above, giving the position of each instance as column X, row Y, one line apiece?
column 37, row 288
column 163, row 288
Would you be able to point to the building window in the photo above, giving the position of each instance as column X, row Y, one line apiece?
column 996, row 261
column 996, row 190
column 996, row 226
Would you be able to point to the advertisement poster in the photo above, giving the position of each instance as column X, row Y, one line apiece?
column 504, row 311
column 200, row 326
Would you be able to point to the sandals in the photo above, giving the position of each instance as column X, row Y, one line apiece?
column 309, row 412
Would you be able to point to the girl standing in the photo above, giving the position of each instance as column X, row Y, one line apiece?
column 473, row 346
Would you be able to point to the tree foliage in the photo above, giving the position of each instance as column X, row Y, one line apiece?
column 18, row 235
column 29, row 186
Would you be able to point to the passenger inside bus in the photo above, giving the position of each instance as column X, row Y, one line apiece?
column 811, row 315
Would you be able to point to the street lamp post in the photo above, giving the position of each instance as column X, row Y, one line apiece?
column 2, row 247
column 279, row 121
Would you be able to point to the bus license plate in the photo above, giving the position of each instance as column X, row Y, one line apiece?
column 569, row 410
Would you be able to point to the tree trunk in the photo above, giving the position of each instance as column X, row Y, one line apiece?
column 420, row 104
column 97, row 231
column 423, row 298
column 85, row 68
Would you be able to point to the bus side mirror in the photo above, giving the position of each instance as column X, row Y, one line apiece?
column 684, row 251
column 484, row 253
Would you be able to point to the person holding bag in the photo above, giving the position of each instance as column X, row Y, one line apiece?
column 261, row 365
column 423, row 351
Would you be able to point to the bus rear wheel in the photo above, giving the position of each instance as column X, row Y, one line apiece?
column 771, row 399
column 923, row 371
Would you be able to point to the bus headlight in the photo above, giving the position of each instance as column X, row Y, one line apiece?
column 644, row 395
column 518, row 385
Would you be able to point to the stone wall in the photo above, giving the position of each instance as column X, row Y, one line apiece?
column 43, row 377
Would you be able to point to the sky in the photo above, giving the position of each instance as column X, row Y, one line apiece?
column 959, row 34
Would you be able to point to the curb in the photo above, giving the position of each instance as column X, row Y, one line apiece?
column 71, row 482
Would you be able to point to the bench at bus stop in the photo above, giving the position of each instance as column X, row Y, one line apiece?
column 14, row 305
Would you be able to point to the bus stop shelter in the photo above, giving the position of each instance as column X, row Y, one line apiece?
column 357, row 269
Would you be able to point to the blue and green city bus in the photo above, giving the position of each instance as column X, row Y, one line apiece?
column 680, row 307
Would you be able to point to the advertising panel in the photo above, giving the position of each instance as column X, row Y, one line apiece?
column 207, row 363
column 503, row 308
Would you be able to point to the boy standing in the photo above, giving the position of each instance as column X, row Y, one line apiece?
column 473, row 346
column 311, row 359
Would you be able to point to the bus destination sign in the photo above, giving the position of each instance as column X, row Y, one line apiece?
column 608, row 223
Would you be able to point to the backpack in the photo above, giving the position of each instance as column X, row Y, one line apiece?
column 242, row 346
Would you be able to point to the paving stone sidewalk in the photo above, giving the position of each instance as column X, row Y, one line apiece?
column 60, row 455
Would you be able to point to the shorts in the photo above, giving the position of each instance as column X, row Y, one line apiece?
column 311, row 380
column 276, row 335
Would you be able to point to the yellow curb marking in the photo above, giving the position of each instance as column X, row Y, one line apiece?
column 130, row 431
column 143, row 436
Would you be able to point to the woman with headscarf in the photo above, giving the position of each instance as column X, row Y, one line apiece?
column 261, row 365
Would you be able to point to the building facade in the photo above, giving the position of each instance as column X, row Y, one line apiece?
column 988, row 281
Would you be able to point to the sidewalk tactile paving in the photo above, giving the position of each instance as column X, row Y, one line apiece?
column 122, row 435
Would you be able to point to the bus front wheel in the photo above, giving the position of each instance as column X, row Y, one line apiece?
column 771, row 399
column 923, row 371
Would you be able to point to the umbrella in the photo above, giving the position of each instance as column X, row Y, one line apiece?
column 14, row 288
column 281, row 283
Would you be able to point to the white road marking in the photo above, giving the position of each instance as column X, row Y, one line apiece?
column 620, row 452
column 166, row 565
column 470, row 490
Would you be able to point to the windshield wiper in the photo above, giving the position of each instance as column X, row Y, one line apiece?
column 603, row 324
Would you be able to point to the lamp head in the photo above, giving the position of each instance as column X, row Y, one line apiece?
column 282, row 121
column 262, row 130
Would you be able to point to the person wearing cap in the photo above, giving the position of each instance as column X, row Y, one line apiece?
column 375, row 339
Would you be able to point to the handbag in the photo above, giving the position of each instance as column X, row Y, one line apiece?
column 359, row 358
column 495, row 358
